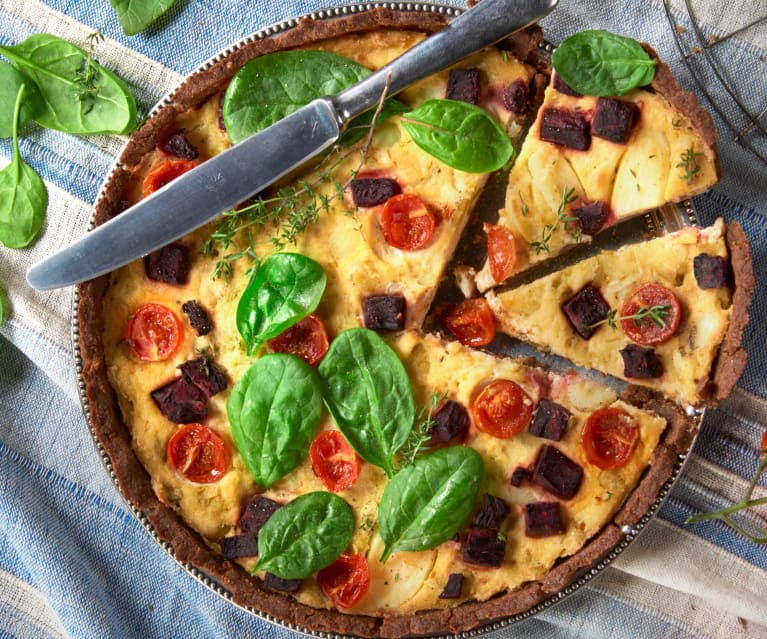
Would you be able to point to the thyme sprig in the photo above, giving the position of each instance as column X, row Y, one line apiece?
column 564, row 218
column 690, row 164
column 86, row 74
column 657, row 314
column 417, row 442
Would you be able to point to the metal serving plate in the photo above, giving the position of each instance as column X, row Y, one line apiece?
column 654, row 223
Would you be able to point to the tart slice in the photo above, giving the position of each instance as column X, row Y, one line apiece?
column 589, row 162
column 668, row 313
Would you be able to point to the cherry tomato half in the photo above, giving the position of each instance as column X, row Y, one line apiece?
column 198, row 454
column 306, row 339
column 334, row 460
column 502, row 409
column 609, row 437
column 647, row 331
column 346, row 580
column 165, row 172
column 407, row 222
column 471, row 322
column 154, row 332
column 501, row 251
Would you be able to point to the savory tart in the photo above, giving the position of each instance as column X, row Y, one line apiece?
column 269, row 400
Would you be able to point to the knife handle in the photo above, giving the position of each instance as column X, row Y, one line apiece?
column 477, row 28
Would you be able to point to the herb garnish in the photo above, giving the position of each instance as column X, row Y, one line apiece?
column 645, row 313
column 568, row 197
column 690, row 164
column 86, row 74
column 418, row 441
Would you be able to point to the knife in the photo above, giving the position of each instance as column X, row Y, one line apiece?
column 222, row 182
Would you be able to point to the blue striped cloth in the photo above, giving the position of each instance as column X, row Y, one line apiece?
column 74, row 562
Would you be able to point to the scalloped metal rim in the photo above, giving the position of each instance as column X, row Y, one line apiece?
column 654, row 220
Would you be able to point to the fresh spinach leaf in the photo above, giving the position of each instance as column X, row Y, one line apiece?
column 284, row 289
column 10, row 81
column 463, row 136
column 79, row 95
column 360, row 126
column 598, row 62
column 137, row 15
column 23, row 196
column 274, row 411
column 368, row 393
column 305, row 535
column 427, row 503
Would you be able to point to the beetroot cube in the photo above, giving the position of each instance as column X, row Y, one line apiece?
column 492, row 514
column 463, row 85
column 614, row 119
column 484, row 547
column 519, row 475
column 283, row 585
column 562, row 86
column 453, row 587
column 640, row 362
column 256, row 513
column 373, row 191
column 451, row 423
column 550, row 420
column 543, row 519
column 517, row 97
column 566, row 128
column 205, row 375
column 557, row 473
column 177, row 144
column 711, row 271
column 169, row 264
column 592, row 216
column 384, row 312
column 585, row 309
column 243, row 545
column 199, row 319
column 181, row 401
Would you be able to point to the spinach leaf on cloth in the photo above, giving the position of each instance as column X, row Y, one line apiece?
column 597, row 62
column 284, row 289
column 368, row 393
column 305, row 535
column 79, row 95
column 10, row 82
column 462, row 135
column 137, row 15
column 274, row 411
column 427, row 503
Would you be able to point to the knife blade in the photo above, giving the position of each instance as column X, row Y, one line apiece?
column 222, row 182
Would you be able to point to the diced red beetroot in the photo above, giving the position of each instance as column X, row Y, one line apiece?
column 220, row 113
column 557, row 473
column 484, row 547
column 640, row 362
column 177, row 144
column 384, row 313
column 592, row 216
column 543, row 519
column 283, row 585
column 517, row 97
column 614, row 119
column 711, row 271
column 549, row 420
column 494, row 511
column 256, row 513
column 585, row 309
column 373, row 191
column 242, row 545
column 451, row 424
column 181, row 402
column 520, row 474
column 453, row 587
column 199, row 319
column 204, row 374
column 566, row 128
column 562, row 86
column 169, row 264
column 463, row 85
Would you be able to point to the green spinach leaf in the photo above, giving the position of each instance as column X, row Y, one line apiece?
column 284, row 289
column 427, row 503
column 10, row 82
column 23, row 196
column 598, row 62
column 368, row 393
column 79, row 95
column 462, row 135
column 274, row 411
column 305, row 535
column 137, row 15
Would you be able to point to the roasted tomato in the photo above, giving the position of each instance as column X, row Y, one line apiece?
column 502, row 409
column 609, row 437
column 334, row 460
column 346, row 580
column 501, row 251
column 651, row 314
column 154, row 332
column 407, row 222
column 165, row 172
column 198, row 454
column 306, row 339
column 471, row 322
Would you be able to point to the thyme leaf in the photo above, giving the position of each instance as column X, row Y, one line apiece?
column 417, row 442
column 690, row 164
column 655, row 314
column 568, row 197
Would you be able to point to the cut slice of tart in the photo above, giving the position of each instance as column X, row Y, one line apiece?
column 668, row 313
column 589, row 162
